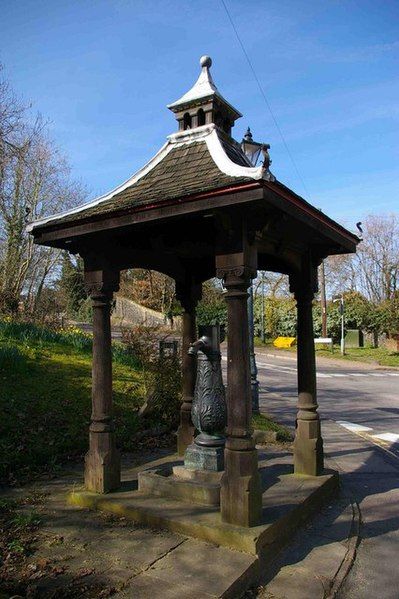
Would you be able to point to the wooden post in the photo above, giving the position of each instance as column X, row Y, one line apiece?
column 188, row 294
column 308, row 445
column 102, row 461
column 241, row 495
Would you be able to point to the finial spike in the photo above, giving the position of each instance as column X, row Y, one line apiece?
column 206, row 61
column 248, row 135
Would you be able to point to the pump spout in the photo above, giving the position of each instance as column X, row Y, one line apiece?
column 201, row 344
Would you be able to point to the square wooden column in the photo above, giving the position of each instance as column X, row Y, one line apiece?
column 188, row 293
column 241, row 495
column 308, row 444
column 102, row 461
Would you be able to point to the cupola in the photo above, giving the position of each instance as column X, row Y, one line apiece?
column 204, row 104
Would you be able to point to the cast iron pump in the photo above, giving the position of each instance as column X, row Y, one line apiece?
column 209, row 412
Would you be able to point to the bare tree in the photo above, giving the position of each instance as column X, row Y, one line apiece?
column 34, row 182
column 273, row 284
column 340, row 274
column 377, row 259
column 149, row 288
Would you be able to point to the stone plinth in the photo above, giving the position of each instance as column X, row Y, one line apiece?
column 200, row 457
column 288, row 500
column 197, row 487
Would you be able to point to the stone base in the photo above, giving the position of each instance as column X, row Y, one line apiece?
column 241, row 493
column 197, row 476
column 198, row 487
column 308, row 449
column 200, row 457
column 288, row 501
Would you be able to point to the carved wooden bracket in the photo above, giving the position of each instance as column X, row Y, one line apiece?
column 236, row 276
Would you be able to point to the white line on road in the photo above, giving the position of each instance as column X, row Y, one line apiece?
column 391, row 437
column 322, row 375
column 351, row 426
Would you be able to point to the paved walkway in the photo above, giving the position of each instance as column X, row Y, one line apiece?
column 87, row 554
column 350, row 550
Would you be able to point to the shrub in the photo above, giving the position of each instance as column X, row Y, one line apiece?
column 212, row 309
column 161, row 375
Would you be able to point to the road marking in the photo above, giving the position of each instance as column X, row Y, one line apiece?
column 351, row 426
column 279, row 366
column 376, row 374
column 381, row 440
column 322, row 375
column 391, row 437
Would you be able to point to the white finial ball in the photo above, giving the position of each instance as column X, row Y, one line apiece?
column 206, row 61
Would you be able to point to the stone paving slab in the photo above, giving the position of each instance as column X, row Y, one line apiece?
column 205, row 568
column 309, row 566
column 147, row 587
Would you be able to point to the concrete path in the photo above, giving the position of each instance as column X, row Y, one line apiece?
column 85, row 554
column 81, row 553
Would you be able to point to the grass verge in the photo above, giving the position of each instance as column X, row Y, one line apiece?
column 264, row 423
column 45, row 399
column 367, row 355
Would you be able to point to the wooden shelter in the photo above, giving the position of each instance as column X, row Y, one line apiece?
column 197, row 210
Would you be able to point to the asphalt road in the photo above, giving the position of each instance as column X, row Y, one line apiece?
column 362, row 400
column 359, row 407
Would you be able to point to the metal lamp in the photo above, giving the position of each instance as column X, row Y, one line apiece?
column 252, row 149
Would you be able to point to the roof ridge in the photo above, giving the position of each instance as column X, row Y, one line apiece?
column 228, row 167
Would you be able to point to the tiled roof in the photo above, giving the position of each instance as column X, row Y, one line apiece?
column 186, row 170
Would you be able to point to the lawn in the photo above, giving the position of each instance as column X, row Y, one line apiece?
column 369, row 355
column 45, row 399
column 263, row 422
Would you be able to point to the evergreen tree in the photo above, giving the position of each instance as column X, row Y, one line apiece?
column 71, row 284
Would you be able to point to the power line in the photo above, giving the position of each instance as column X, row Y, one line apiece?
column 264, row 97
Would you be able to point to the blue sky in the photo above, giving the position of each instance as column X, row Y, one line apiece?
column 103, row 71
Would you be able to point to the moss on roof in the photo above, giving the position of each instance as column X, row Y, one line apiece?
column 186, row 170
